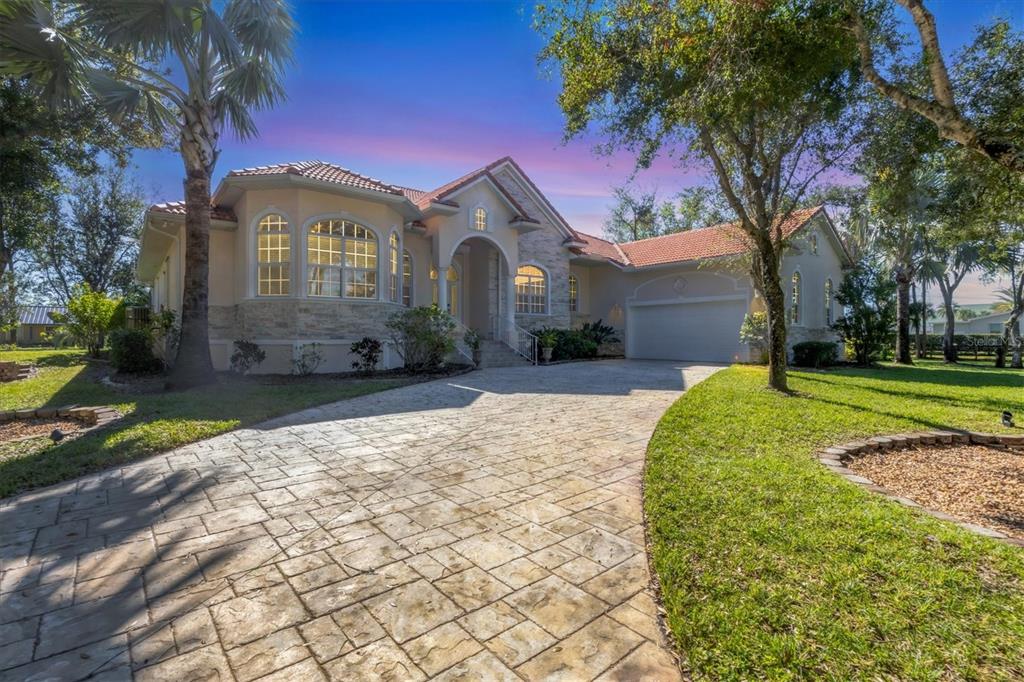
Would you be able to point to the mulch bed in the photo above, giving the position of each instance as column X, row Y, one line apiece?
column 974, row 483
column 24, row 428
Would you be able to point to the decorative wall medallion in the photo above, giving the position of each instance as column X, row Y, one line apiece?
column 679, row 285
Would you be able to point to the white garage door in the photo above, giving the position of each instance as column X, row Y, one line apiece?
column 701, row 332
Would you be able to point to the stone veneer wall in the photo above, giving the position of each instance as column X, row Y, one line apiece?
column 282, row 325
column 545, row 248
column 290, row 318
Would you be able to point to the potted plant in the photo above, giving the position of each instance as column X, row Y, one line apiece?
column 547, row 340
column 472, row 339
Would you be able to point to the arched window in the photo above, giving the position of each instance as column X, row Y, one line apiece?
column 574, row 292
column 273, row 256
column 452, row 281
column 828, row 302
column 794, row 305
column 341, row 260
column 480, row 219
column 393, row 268
column 814, row 243
column 531, row 290
column 406, row 279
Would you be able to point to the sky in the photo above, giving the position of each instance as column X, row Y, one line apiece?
column 419, row 93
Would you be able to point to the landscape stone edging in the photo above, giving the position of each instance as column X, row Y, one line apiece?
column 836, row 457
column 92, row 417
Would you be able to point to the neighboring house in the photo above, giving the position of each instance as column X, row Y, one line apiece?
column 312, row 252
column 984, row 324
column 34, row 322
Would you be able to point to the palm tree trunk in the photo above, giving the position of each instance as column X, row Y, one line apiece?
column 924, row 316
column 948, row 344
column 903, row 279
column 193, row 366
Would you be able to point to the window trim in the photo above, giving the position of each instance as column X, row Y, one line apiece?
column 394, row 267
column 380, row 270
column 574, row 293
column 412, row 280
column 547, row 289
column 829, row 295
column 473, row 219
column 254, row 252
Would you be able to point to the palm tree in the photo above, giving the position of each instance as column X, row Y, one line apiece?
column 216, row 68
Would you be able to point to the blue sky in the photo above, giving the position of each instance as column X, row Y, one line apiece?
column 417, row 93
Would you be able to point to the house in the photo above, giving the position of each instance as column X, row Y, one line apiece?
column 35, row 324
column 311, row 252
column 983, row 324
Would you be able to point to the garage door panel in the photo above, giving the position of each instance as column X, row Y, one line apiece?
column 702, row 332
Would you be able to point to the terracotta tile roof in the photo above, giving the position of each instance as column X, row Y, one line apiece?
column 601, row 247
column 710, row 242
column 323, row 171
column 178, row 208
column 38, row 314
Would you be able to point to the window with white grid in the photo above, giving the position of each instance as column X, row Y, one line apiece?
column 273, row 256
column 531, row 290
column 574, row 292
column 341, row 259
column 480, row 219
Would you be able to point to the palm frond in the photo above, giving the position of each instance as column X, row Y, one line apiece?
column 34, row 46
column 254, row 82
column 236, row 114
column 142, row 27
column 263, row 27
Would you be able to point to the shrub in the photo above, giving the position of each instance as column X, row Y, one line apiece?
column 131, row 352
column 246, row 356
column 567, row 344
column 815, row 354
column 867, row 297
column 309, row 359
column 547, row 338
column 598, row 333
column 368, row 350
column 422, row 336
column 754, row 333
column 88, row 318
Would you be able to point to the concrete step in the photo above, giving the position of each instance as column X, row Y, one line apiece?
column 497, row 354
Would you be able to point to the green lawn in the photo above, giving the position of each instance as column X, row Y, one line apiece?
column 773, row 568
column 155, row 422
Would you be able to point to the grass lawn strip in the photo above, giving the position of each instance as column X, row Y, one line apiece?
column 153, row 422
column 771, row 567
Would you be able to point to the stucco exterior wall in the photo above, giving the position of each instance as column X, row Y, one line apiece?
column 815, row 270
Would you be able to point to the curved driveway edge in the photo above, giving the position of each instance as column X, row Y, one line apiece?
column 486, row 526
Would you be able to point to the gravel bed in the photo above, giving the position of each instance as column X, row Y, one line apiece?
column 974, row 483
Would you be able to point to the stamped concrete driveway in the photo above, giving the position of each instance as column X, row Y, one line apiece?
column 484, row 527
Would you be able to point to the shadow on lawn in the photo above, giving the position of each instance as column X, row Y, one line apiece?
column 952, row 376
column 994, row 405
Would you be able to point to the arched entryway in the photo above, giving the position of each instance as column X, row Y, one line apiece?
column 482, row 288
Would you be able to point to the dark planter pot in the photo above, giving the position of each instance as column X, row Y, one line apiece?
column 477, row 356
